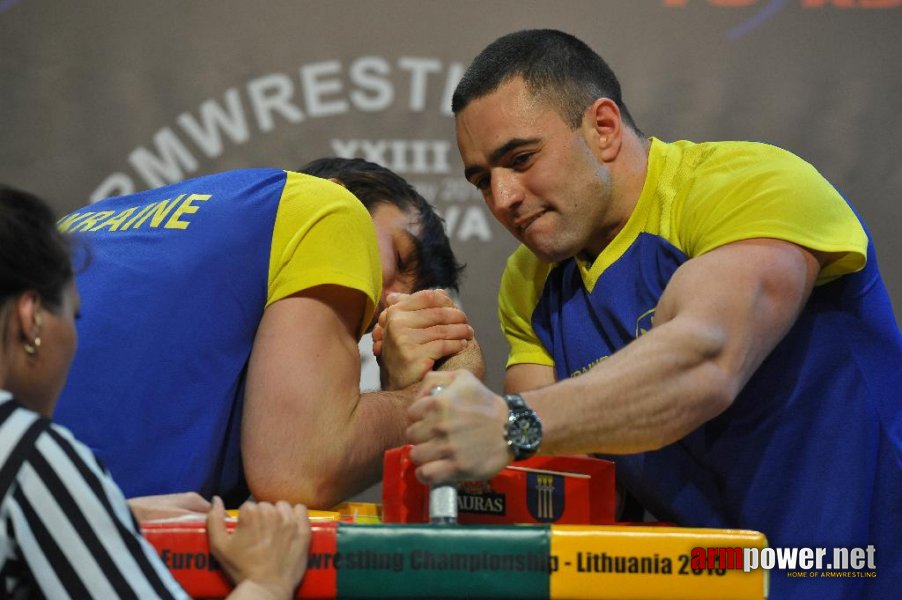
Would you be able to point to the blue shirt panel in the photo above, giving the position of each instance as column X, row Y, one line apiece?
column 770, row 462
column 167, row 325
column 579, row 328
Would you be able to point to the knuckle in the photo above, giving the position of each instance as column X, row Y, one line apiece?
column 416, row 455
column 442, row 403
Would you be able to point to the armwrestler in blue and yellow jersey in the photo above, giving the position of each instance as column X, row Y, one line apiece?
column 177, row 284
column 836, row 373
column 710, row 314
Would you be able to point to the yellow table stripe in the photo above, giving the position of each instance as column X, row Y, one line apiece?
column 631, row 563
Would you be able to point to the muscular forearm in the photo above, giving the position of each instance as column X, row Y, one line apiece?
column 352, row 458
column 377, row 424
column 652, row 393
column 469, row 359
column 334, row 455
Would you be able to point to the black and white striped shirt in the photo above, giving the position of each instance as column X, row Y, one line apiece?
column 66, row 530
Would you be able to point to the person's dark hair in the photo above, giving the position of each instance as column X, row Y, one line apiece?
column 557, row 67
column 34, row 255
column 434, row 265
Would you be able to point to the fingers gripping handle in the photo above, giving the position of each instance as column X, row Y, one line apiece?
column 442, row 496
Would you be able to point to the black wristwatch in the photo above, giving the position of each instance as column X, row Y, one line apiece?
column 524, row 429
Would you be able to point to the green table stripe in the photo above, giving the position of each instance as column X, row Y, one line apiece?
column 406, row 561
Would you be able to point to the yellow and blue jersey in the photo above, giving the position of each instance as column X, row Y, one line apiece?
column 177, row 283
column 771, row 461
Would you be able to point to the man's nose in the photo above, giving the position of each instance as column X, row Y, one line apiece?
column 507, row 191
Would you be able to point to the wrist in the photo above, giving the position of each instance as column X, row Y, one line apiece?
column 264, row 591
column 524, row 428
column 469, row 359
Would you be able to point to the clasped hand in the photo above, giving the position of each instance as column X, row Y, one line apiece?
column 414, row 332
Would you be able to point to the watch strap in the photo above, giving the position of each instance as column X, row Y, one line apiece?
column 517, row 408
column 515, row 402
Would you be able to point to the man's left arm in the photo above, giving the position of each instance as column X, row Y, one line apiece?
column 719, row 317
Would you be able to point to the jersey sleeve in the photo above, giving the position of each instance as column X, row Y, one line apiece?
column 521, row 287
column 323, row 235
column 773, row 194
column 74, row 530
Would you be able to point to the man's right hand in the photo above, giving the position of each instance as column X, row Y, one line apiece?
column 414, row 332
column 458, row 429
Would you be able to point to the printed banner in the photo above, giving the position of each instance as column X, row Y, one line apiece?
column 102, row 98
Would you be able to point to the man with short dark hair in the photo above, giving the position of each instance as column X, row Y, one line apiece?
column 219, row 353
column 711, row 315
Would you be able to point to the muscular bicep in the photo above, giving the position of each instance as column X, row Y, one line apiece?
column 302, row 383
column 739, row 300
column 523, row 377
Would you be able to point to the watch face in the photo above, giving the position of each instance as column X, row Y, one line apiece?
column 525, row 431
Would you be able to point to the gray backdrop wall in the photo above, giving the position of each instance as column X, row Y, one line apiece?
column 102, row 98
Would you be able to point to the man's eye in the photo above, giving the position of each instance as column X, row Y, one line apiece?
column 407, row 263
column 521, row 160
column 482, row 183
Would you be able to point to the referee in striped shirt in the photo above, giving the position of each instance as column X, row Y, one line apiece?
column 66, row 530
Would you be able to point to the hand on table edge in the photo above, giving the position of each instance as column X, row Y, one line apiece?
column 165, row 506
column 266, row 555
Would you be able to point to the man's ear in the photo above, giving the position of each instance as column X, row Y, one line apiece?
column 604, row 128
column 338, row 181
